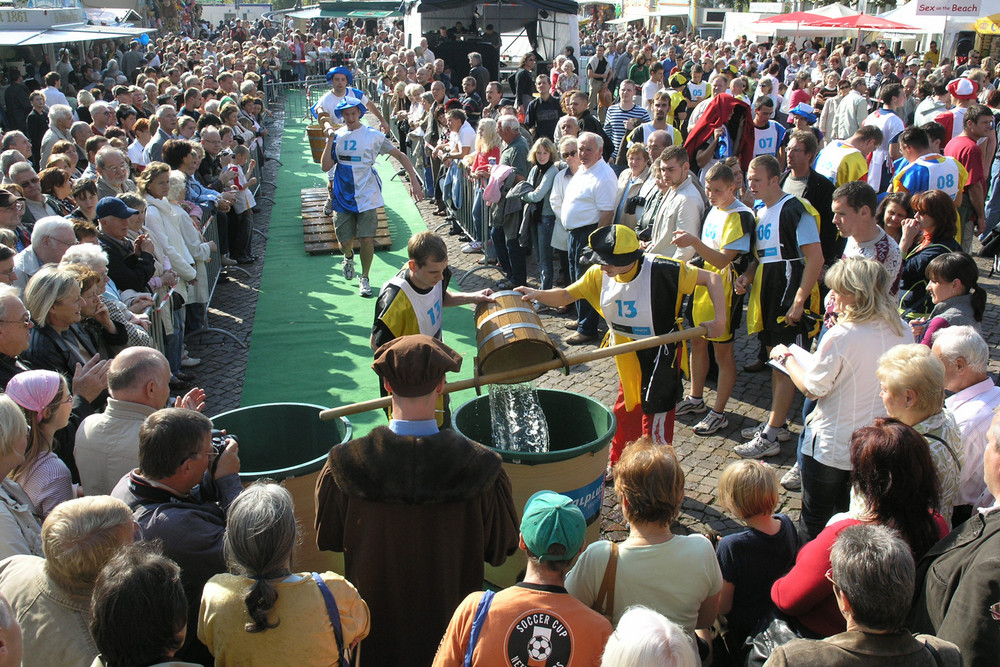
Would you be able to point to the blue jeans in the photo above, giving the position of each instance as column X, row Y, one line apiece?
column 541, row 238
column 478, row 208
column 586, row 315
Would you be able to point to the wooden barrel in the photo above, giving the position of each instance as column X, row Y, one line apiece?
column 510, row 335
column 317, row 142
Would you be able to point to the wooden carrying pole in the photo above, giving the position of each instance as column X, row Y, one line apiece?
column 528, row 371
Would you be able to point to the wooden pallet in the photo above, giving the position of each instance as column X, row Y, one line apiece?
column 318, row 229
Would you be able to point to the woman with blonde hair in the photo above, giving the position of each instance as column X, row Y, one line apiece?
column 479, row 165
column 912, row 390
column 20, row 532
column 841, row 378
column 649, row 484
column 263, row 613
column 539, row 218
column 47, row 402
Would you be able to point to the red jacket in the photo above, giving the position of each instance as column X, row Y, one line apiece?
column 723, row 109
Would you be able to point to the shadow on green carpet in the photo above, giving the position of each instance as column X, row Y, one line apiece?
column 311, row 330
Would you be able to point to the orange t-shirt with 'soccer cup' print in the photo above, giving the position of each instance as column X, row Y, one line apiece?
column 527, row 625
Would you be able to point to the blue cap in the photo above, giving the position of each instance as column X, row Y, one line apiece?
column 112, row 207
column 347, row 103
column 341, row 70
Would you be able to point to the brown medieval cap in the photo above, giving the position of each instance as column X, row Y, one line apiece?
column 413, row 365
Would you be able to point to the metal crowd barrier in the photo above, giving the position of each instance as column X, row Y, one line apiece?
column 279, row 101
column 156, row 331
column 214, row 269
column 463, row 217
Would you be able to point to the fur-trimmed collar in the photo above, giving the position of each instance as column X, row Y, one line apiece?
column 441, row 468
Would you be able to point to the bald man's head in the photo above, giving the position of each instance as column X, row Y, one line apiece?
column 140, row 375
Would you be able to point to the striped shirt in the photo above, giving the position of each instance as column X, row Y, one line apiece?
column 614, row 124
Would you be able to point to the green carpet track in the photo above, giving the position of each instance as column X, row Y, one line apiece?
column 311, row 330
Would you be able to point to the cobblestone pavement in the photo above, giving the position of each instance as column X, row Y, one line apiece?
column 703, row 459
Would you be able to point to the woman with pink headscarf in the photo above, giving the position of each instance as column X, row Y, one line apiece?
column 46, row 401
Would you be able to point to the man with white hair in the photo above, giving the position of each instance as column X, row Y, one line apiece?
column 973, row 401
column 958, row 579
column 589, row 203
column 52, row 594
column 112, row 173
column 50, row 238
column 11, row 640
column 60, row 122
column 103, row 117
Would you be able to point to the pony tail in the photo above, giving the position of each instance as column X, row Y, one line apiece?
column 978, row 300
column 260, row 600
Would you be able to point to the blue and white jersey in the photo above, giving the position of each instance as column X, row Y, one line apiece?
column 931, row 172
column 356, row 185
column 768, row 140
column 329, row 102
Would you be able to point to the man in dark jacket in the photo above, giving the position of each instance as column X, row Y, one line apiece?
column 130, row 266
column 415, row 511
column 180, row 495
column 18, row 102
column 803, row 181
column 958, row 580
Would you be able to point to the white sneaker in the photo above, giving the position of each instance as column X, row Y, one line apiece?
column 690, row 406
column 784, row 435
column 759, row 447
column 792, row 480
column 711, row 423
column 365, row 288
column 190, row 362
column 472, row 247
column 348, row 268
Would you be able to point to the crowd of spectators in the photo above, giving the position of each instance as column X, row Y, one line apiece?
column 863, row 174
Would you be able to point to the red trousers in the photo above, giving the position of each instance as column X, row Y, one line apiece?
column 635, row 424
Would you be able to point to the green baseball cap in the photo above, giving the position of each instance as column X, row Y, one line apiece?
column 552, row 518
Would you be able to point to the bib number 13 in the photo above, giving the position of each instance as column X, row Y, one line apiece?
column 626, row 309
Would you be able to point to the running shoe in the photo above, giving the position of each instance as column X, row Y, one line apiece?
column 365, row 288
column 472, row 247
column 711, row 423
column 784, row 435
column 759, row 447
column 792, row 480
column 691, row 406
column 348, row 268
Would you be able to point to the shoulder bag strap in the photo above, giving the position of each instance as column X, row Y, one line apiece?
column 334, row 613
column 946, row 446
column 605, row 602
column 477, row 625
column 938, row 660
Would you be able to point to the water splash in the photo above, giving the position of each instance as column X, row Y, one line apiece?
column 518, row 421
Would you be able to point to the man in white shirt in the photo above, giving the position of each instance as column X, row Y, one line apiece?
column 682, row 209
column 975, row 397
column 52, row 93
column 589, row 203
column 653, row 86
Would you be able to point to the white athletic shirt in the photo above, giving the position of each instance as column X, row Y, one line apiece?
column 627, row 306
column 768, row 140
column 698, row 91
column 426, row 307
column 891, row 126
column 329, row 101
column 356, row 185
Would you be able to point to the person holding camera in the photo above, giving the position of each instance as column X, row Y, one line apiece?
column 180, row 495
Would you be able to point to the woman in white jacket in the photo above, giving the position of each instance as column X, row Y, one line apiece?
column 153, row 184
